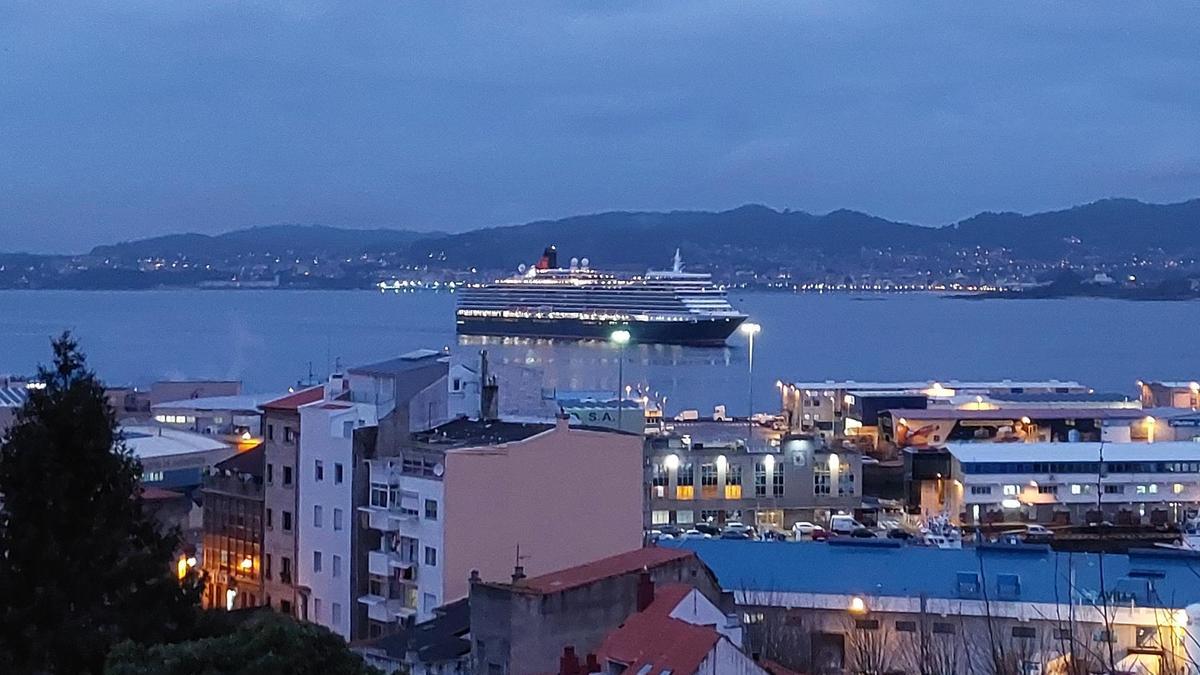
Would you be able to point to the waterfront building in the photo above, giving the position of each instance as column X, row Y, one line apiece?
column 383, row 404
column 882, row 606
column 473, row 496
column 281, row 442
column 1123, row 483
column 939, row 426
column 233, row 560
column 836, row 409
column 178, row 390
column 1169, row 394
column 235, row 417
column 525, row 624
column 11, row 399
column 174, row 460
column 703, row 472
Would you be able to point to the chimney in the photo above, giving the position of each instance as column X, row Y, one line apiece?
column 645, row 590
column 489, row 391
column 474, row 578
column 518, row 574
column 592, row 665
column 569, row 663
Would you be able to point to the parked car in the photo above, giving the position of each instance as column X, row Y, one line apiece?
column 843, row 524
column 804, row 528
column 709, row 529
column 734, row 534
column 899, row 533
column 670, row 530
column 862, row 533
column 738, row 527
column 819, row 533
column 695, row 534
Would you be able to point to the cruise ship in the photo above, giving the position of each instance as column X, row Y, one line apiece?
column 578, row 302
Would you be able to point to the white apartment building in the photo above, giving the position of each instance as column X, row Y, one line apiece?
column 1156, row 483
column 378, row 410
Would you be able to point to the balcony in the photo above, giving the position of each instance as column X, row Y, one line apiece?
column 385, row 520
column 386, row 610
column 387, row 564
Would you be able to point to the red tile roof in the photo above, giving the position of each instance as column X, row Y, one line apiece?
column 293, row 401
column 617, row 565
column 667, row 598
column 666, row 644
column 151, row 493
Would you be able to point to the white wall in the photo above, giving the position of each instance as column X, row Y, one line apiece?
column 698, row 610
column 725, row 659
column 323, row 438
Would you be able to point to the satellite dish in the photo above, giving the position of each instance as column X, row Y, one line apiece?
column 438, row 469
column 521, row 268
column 574, row 263
column 584, row 263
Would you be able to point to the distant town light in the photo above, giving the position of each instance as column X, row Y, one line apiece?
column 750, row 328
column 769, row 462
column 620, row 337
column 230, row 597
column 247, row 563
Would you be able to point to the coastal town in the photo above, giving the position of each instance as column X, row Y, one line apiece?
column 444, row 514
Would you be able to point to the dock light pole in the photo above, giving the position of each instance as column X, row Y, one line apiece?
column 750, row 330
column 620, row 338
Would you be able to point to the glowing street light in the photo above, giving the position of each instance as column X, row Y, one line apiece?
column 620, row 338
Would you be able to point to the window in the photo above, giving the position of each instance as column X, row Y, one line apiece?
column 318, row 471
column 1024, row 632
column 866, row 624
column 431, row 556
column 431, row 509
column 338, row 473
column 337, row 566
column 456, row 384
column 968, row 584
column 152, row 476
column 287, row 475
column 685, row 517
column 708, row 481
column 822, row 478
column 659, row 477
column 408, row 549
column 270, row 473
column 1081, row 488
column 943, row 628
column 684, row 482
column 337, row 519
column 267, row 567
column 379, row 495
column 286, row 517
column 377, row 585
column 760, row 479
column 751, row 618
column 429, row 602
column 1011, row 490
column 316, row 561
column 777, row 481
column 270, row 432
column 733, row 481
column 660, row 517
column 336, row 613
column 1062, row 634
column 1103, row 635
column 1047, row 489
column 906, row 626
column 1008, row 586
column 289, row 435
column 981, row 489
column 711, row 515
column 316, row 609
column 1114, row 489
column 270, row 519
column 317, row 515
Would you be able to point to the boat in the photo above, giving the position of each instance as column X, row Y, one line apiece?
column 578, row 302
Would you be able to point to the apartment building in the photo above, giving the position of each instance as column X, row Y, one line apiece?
column 281, row 442
column 381, row 406
column 690, row 480
column 471, row 498
column 232, row 494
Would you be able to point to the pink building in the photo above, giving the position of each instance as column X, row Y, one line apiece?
column 466, row 495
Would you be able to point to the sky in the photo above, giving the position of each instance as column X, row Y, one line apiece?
column 134, row 118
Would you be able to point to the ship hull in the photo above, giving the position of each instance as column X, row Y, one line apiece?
column 704, row 332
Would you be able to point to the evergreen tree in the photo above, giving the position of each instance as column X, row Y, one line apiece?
column 82, row 567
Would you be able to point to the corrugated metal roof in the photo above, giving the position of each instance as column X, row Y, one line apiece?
column 13, row 397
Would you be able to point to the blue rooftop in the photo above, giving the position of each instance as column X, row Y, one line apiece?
column 1149, row 577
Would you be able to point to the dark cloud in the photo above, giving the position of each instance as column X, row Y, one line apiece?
column 137, row 117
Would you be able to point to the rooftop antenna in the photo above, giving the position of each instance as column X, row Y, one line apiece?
column 310, row 373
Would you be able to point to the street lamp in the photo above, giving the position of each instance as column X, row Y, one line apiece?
column 620, row 338
column 750, row 330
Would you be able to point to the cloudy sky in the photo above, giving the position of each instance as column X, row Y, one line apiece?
column 139, row 117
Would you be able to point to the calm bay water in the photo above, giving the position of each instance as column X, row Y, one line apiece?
column 268, row 339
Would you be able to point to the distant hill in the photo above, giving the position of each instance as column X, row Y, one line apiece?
column 1111, row 229
column 276, row 239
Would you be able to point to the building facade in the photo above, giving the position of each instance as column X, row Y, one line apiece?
column 690, row 482
column 232, row 493
column 281, row 441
